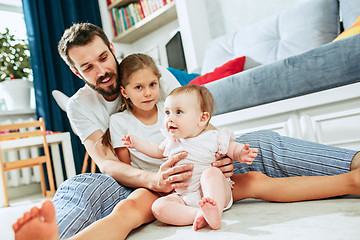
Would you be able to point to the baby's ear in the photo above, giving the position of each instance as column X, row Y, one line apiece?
column 204, row 119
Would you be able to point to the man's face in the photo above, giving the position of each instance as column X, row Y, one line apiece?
column 96, row 64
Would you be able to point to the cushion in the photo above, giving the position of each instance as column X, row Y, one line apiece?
column 305, row 26
column 231, row 67
column 350, row 11
column 354, row 29
column 183, row 77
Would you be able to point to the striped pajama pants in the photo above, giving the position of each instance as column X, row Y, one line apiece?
column 86, row 198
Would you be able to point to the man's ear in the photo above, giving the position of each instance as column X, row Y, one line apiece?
column 204, row 119
column 123, row 92
column 112, row 48
column 75, row 71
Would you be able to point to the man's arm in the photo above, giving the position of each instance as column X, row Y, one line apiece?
column 165, row 180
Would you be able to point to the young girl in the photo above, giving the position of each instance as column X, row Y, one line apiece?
column 188, row 110
column 144, row 113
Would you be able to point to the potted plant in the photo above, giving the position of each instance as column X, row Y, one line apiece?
column 15, row 71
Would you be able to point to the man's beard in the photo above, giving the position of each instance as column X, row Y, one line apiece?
column 112, row 89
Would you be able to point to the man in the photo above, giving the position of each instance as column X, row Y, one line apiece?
column 87, row 198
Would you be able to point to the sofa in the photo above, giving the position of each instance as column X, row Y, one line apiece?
column 295, row 81
column 308, row 90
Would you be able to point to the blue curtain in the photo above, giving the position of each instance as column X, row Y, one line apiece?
column 45, row 23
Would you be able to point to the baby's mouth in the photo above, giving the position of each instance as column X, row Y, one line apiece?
column 172, row 128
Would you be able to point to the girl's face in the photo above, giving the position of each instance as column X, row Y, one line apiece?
column 183, row 116
column 143, row 90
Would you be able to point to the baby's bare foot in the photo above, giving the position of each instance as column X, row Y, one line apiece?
column 37, row 224
column 199, row 221
column 211, row 212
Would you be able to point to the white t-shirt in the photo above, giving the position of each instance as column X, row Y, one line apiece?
column 124, row 123
column 88, row 111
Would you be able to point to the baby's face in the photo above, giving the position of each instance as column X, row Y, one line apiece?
column 182, row 116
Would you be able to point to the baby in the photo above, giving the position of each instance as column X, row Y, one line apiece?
column 188, row 110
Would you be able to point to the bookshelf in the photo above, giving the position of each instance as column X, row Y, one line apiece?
column 147, row 25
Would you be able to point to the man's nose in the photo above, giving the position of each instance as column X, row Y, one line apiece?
column 100, row 70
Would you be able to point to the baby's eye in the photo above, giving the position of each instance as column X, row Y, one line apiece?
column 138, row 87
column 167, row 113
column 179, row 112
column 153, row 84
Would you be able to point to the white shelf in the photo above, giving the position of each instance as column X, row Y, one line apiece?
column 17, row 112
column 149, row 24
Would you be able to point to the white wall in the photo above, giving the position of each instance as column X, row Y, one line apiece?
column 238, row 14
column 199, row 21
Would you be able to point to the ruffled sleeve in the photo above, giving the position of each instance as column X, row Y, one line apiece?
column 224, row 138
column 166, row 144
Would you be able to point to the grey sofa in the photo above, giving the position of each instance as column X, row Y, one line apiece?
column 296, row 58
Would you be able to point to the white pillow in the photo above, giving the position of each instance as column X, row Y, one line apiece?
column 308, row 25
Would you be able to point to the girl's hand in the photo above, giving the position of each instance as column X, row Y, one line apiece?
column 225, row 164
column 246, row 155
column 129, row 141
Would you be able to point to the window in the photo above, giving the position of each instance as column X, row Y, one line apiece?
column 12, row 17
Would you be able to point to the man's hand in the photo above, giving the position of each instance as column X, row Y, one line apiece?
column 170, row 177
column 225, row 164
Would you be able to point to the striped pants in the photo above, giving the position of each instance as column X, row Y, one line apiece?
column 86, row 198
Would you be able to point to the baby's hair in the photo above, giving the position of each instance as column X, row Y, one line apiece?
column 131, row 64
column 206, row 100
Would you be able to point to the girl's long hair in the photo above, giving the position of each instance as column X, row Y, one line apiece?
column 127, row 67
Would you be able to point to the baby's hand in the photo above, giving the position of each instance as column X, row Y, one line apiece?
column 247, row 154
column 129, row 141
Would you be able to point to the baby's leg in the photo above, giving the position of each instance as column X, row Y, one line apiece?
column 37, row 224
column 216, row 195
column 171, row 209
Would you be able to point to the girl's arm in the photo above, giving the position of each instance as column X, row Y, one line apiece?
column 147, row 148
column 241, row 153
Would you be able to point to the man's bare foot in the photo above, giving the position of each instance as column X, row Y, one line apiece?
column 199, row 221
column 37, row 224
column 211, row 212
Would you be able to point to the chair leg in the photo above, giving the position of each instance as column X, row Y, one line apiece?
column 50, row 193
column 42, row 180
column 6, row 197
column 85, row 162
column 93, row 166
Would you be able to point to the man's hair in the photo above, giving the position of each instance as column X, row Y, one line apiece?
column 206, row 100
column 131, row 64
column 79, row 34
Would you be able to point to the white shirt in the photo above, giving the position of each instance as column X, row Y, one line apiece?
column 88, row 111
column 124, row 123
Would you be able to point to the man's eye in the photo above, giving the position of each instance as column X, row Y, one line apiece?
column 103, row 58
column 88, row 68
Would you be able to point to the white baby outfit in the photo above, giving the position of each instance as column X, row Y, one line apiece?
column 201, row 153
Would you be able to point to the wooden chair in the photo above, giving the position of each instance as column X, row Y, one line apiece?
column 13, row 139
column 62, row 100
column 86, row 162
